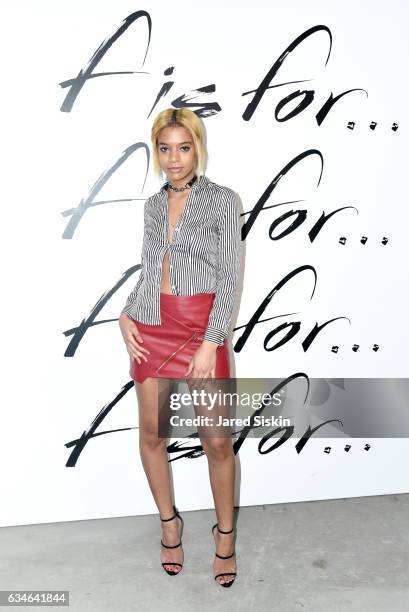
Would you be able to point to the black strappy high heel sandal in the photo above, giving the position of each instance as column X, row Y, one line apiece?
column 224, row 584
column 170, row 572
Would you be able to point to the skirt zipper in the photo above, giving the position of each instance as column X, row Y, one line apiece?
column 192, row 337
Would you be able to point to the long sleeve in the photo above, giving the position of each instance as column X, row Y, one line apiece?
column 228, row 269
column 127, row 309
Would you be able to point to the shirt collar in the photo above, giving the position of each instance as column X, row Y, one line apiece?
column 201, row 183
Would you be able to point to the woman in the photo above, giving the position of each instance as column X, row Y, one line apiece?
column 175, row 321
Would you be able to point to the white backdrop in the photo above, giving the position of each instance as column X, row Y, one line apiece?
column 65, row 249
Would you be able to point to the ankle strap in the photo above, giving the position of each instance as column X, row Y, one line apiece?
column 172, row 517
column 228, row 556
column 217, row 525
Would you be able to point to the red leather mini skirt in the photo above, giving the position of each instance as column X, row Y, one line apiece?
column 184, row 319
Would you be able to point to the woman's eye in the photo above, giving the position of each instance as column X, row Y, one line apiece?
column 185, row 148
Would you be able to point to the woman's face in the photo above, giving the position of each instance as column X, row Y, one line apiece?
column 177, row 155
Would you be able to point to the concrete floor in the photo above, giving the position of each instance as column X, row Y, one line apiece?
column 344, row 554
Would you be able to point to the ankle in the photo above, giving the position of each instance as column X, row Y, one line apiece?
column 171, row 525
column 168, row 515
column 225, row 530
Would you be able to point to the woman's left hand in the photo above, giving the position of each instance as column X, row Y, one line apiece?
column 203, row 363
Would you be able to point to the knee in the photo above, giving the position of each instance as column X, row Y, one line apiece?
column 217, row 449
column 149, row 438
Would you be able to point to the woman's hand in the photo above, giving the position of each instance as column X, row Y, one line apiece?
column 132, row 338
column 203, row 362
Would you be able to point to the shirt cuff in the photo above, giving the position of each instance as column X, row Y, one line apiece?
column 127, row 311
column 214, row 335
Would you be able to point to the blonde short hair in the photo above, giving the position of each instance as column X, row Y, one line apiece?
column 180, row 117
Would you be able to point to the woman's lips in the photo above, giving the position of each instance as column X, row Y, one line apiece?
column 175, row 169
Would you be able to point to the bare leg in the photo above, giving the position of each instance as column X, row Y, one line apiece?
column 220, row 457
column 217, row 443
column 155, row 463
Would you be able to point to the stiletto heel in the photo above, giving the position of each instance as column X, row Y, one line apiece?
column 170, row 572
column 224, row 584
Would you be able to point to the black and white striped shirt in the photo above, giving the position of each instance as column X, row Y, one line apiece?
column 204, row 255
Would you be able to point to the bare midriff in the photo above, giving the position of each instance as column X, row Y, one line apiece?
column 175, row 209
column 165, row 282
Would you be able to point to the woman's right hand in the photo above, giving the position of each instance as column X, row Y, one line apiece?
column 132, row 338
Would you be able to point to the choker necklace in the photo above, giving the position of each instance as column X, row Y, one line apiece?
column 187, row 185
